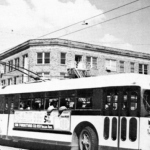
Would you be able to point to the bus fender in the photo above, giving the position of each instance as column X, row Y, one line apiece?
column 79, row 128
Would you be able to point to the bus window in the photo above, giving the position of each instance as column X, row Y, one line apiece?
column 71, row 102
column 108, row 100
column 51, row 103
column 12, row 107
column 125, row 100
column 106, row 128
column 84, row 99
column 146, row 100
column 114, row 129
column 115, row 101
column 16, row 101
column 123, row 128
column 133, row 105
column 111, row 98
column 25, row 104
column 64, row 104
column 21, row 106
column 28, row 105
column 133, row 129
column 25, row 101
column 38, row 100
column 84, row 103
column 2, row 103
column 68, row 102
column 67, row 99
column 38, row 104
column 6, row 105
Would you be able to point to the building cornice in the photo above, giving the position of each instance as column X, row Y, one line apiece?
column 72, row 44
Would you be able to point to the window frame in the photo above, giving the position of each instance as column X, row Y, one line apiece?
column 143, row 68
column 132, row 67
column 9, row 81
column 46, row 58
column 3, row 82
column 91, row 62
column 24, row 62
column 10, row 65
column 17, row 64
column 111, row 65
column 43, row 59
column 63, row 60
column 122, row 66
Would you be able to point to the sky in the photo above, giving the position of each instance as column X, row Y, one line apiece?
column 22, row 20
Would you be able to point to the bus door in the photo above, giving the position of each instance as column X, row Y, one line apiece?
column 121, row 121
column 129, row 118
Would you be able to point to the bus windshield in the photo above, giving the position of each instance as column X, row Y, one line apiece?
column 146, row 100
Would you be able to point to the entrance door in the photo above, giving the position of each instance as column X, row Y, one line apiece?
column 120, row 118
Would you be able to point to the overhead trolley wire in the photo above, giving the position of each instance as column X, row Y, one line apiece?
column 88, row 19
column 106, row 21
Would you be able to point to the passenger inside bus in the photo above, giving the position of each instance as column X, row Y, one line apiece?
column 124, row 104
column 21, row 107
column 108, row 102
column 63, row 104
column 52, row 106
column 115, row 101
column 12, row 108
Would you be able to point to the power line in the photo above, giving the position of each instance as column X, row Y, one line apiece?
column 18, row 69
column 124, row 43
column 88, row 18
column 105, row 21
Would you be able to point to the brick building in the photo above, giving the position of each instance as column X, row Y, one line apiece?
column 52, row 58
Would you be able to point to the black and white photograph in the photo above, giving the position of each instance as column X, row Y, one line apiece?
column 75, row 75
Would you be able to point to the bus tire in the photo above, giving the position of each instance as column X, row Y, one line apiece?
column 88, row 139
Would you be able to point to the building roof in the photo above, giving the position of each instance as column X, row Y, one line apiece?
column 126, row 79
column 72, row 44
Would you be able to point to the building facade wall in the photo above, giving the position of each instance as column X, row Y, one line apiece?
column 55, row 68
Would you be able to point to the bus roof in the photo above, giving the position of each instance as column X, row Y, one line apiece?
column 126, row 79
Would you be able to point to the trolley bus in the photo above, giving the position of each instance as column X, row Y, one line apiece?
column 95, row 113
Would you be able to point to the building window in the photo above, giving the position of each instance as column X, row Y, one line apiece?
column 44, row 75
column 78, row 60
column 63, row 58
column 9, row 81
column 2, row 69
column 22, row 78
column 121, row 66
column 88, row 62
column 143, row 69
column 91, row 62
column 3, row 82
column 132, row 67
column 17, row 63
column 94, row 62
column 16, row 79
column 43, row 58
column 46, row 58
column 10, row 67
column 111, row 65
column 39, row 58
column 25, row 61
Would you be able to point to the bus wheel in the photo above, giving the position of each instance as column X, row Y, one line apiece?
column 88, row 139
